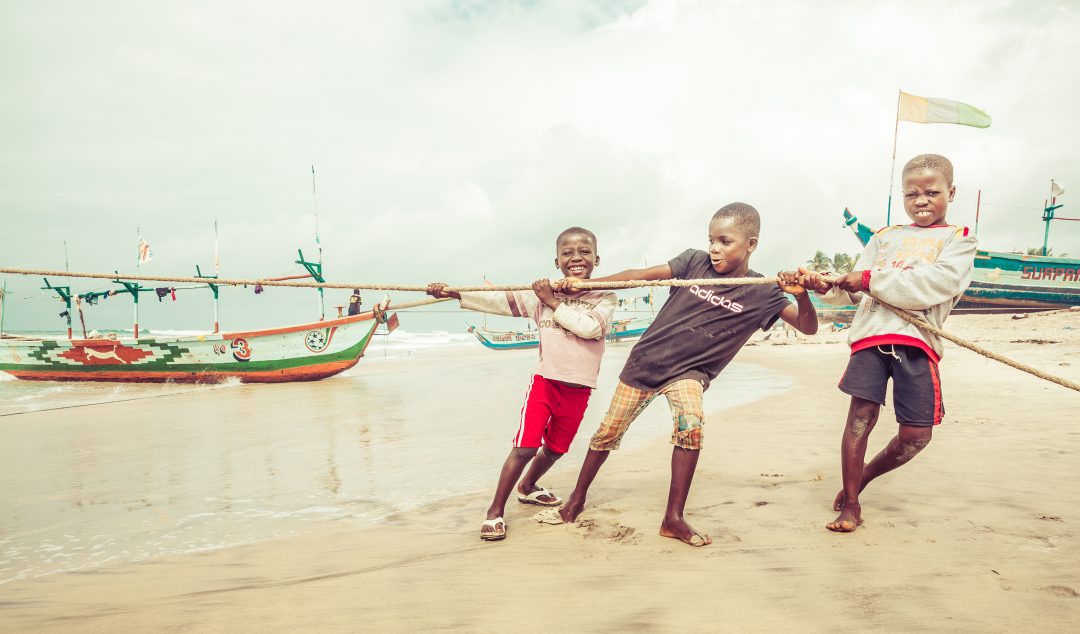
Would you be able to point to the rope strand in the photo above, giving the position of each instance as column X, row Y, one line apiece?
column 586, row 285
column 927, row 327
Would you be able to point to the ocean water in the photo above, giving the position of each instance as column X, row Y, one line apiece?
column 104, row 474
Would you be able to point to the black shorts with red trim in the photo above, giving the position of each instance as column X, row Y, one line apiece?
column 916, row 382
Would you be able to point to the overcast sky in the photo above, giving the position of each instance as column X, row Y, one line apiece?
column 454, row 140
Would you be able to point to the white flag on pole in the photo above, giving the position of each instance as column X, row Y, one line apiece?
column 1056, row 189
column 145, row 255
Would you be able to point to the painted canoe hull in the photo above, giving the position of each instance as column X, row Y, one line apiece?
column 1011, row 281
column 629, row 328
column 305, row 352
column 506, row 340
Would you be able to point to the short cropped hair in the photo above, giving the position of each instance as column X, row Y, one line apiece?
column 935, row 163
column 746, row 218
column 576, row 231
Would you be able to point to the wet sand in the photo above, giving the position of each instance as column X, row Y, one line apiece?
column 976, row 534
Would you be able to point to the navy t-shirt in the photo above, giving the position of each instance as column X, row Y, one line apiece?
column 699, row 329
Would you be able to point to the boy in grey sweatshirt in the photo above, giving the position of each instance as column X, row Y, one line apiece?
column 923, row 267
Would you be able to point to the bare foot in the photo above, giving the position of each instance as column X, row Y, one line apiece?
column 680, row 530
column 838, row 503
column 570, row 511
column 849, row 519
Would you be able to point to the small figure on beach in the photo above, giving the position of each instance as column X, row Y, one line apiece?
column 694, row 336
column 923, row 267
column 355, row 302
column 571, row 332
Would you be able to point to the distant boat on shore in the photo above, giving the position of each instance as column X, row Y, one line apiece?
column 514, row 340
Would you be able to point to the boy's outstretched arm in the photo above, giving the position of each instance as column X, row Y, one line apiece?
column 492, row 302
column 802, row 314
column 658, row 272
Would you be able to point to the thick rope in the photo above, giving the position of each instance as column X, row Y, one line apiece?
column 587, row 285
column 927, row 327
column 733, row 281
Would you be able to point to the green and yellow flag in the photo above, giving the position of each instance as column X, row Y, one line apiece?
column 934, row 110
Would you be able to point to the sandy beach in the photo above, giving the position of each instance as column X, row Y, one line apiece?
column 976, row 534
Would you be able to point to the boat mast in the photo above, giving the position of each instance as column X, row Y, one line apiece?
column 1048, row 215
column 217, row 273
column 134, row 288
column 3, row 299
column 135, row 293
column 318, row 242
column 65, row 296
column 214, row 288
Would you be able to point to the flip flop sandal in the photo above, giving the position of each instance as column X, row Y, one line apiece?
column 496, row 533
column 534, row 498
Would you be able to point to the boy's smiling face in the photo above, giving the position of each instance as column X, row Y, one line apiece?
column 729, row 246
column 926, row 197
column 575, row 256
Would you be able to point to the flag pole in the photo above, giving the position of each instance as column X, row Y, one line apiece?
column 892, row 168
column 978, row 202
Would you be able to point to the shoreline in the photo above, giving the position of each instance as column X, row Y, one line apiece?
column 968, row 536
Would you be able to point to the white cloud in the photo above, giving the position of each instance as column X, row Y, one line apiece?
column 456, row 139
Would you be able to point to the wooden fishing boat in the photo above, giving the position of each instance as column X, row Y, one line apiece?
column 1009, row 282
column 305, row 352
column 514, row 340
column 629, row 328
column 505, row 339
column 828, row 313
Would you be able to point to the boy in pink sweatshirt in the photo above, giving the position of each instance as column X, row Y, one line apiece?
column 923, row 267
column 572, row 332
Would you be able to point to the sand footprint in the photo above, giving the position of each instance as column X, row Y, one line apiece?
column 612, row 533
column 1064, row 592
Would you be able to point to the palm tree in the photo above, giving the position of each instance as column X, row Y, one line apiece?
column 820, row 262
column 1049, row 252
column 844, row 263
column 839, row 263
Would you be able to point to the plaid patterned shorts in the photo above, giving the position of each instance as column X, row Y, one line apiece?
column 684, row 398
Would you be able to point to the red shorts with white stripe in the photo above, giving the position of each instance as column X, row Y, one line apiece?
column 551, row 415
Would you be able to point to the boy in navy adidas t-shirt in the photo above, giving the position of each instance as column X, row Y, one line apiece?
column 697, row 332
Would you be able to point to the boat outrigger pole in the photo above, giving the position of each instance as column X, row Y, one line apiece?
column 65, row 295
column 1048, row 215
column 214, row 288
column 314, row 270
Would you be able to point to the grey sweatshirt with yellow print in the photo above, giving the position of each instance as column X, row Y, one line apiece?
column 924, row 270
